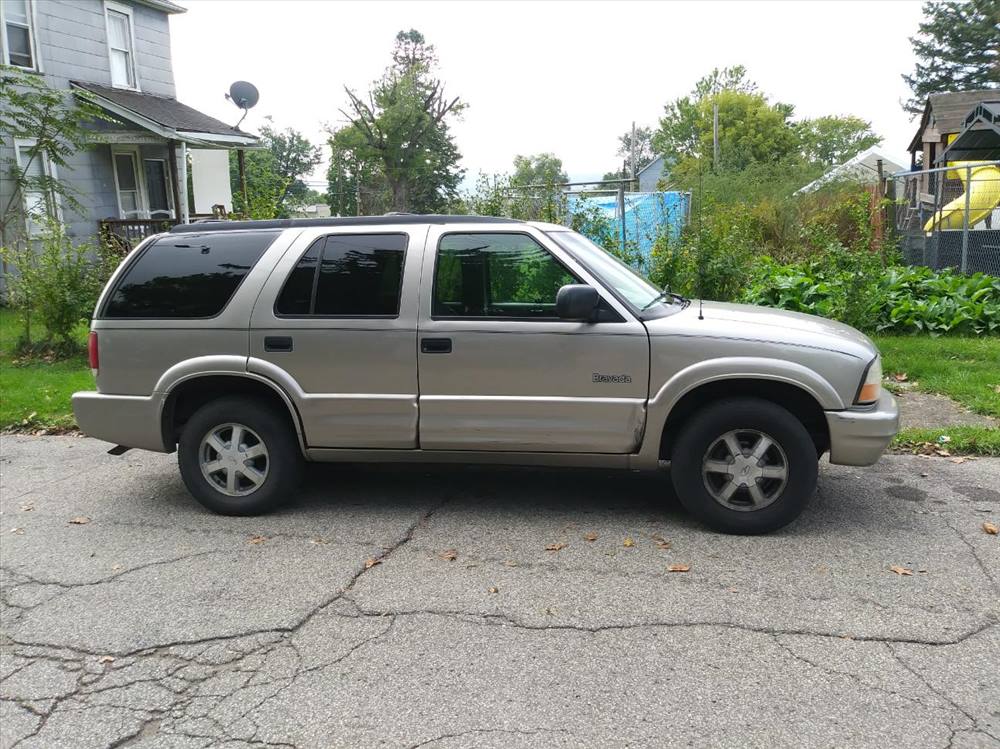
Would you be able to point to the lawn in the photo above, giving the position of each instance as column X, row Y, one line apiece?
column 36, row 393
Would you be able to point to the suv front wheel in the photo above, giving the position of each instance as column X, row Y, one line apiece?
column 744, row 466
column 238, row 456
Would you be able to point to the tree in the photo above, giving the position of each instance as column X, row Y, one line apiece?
column 751, row 129
column 404, row 131
column 644, row 154
column 957, row 48
column 538, row 169
column 274, row 173
column 58, row 124
column 833, row 140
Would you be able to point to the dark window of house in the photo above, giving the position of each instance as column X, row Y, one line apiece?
column 347, row 275
column 187, row 275
column 496, row 275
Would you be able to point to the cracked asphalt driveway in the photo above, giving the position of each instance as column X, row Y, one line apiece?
column 344, row 620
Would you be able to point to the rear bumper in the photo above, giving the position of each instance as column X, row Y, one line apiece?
column 130, row 420
column 859, row 437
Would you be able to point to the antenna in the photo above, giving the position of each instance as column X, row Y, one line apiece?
column 244, row 95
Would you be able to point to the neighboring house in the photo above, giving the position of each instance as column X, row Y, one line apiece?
column 651, row 174
column 136, row 179
column 316, row 210
column 865, row 168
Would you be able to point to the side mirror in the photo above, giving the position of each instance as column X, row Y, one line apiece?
column 577, row 302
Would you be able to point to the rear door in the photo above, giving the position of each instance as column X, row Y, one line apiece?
column 336, row 325
column 500, row 372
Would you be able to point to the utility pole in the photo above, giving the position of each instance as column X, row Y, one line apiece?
column 632, row 155
column 715, row 136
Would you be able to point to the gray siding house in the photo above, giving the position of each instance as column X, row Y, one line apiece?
column 134, row 181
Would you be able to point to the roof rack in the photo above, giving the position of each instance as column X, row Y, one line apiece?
column 387, row 220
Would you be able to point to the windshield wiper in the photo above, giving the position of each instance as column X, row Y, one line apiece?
column 683, row 300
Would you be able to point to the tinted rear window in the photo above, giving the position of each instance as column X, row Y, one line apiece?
column 346, row 275
column 188, row 275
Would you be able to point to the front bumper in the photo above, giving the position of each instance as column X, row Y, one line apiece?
column 130, row 420
column 858, row 437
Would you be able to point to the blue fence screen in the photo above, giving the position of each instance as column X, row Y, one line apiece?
column 648, row 215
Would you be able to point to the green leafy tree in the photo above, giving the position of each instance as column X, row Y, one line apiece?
column 59, row 124
column 403, row 124
column 274, row 173
column 833, row 140
column 644, row 154
column 957, row 48
column 538, row 169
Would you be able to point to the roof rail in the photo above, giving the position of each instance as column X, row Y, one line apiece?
column 387, row 220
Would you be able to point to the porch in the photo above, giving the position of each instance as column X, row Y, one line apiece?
column 160, row 163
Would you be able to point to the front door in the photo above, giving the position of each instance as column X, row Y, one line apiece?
column 500, row 372
column 336, row 325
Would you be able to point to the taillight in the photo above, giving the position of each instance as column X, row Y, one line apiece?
column 92, row 352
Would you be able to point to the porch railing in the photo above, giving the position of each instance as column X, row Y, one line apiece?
column 126, row 233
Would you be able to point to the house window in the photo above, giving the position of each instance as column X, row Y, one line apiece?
column 39, row 204
column 18, row 33
column 121, row 45
column 130, row 202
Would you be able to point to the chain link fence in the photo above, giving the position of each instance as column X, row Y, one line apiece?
column 949, row 217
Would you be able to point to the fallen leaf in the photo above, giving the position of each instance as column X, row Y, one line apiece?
column 660, row 541
column 449, row 555
column 958, row 460
column 106, row 659
column 494, row 590
column 318, row 541
column 79, row 520
column 27, row 508
column 990, row 528
column 258, row 539
column 116, row 567
column 900, row 377
column 510, row 563
column 942, row 453
column 556, row 547
column 591, row 536
column 901, row 570
column 369, row 563
column 924, row 475
column 678, row 567
column 17, row 531
column 628, row 543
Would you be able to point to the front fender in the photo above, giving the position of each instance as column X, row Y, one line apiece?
column 727, row 368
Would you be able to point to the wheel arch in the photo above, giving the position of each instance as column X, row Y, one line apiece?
column 188, row 394
column 797, row 400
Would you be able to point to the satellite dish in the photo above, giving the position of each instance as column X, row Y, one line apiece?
column 243, row 94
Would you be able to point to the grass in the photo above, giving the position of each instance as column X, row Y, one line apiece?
column 36, row 392
column 965, row 369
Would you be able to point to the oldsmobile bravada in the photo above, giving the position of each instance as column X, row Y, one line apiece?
column 251, row 347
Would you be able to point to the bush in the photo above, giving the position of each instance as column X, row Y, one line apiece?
column 853, row 287
column 55, row 283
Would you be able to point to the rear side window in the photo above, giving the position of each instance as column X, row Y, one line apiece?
column 187, row 275
column 346, row 275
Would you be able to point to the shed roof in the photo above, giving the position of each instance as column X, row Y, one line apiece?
column 947, row 111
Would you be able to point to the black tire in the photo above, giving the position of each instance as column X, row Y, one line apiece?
column 702, row 432
column 283, row 458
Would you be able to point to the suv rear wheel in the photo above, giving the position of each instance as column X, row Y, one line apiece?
column 239, row 457
column 744, row 466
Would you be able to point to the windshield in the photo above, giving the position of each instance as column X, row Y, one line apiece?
column 629, row 285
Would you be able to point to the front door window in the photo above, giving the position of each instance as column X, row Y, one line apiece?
column 157, row 189
column 127, row 179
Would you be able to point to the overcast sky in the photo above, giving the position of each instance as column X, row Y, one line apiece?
column 565, row 77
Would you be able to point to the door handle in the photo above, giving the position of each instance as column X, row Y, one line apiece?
column 277, row 343
column 435, row 345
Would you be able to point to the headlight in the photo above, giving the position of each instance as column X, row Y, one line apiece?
column 871, row 384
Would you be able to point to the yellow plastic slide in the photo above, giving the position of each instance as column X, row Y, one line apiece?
column 982, row 183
